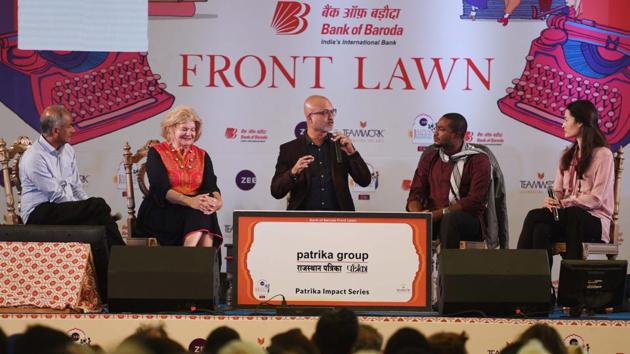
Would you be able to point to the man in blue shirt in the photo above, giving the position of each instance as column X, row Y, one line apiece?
column 52, row 192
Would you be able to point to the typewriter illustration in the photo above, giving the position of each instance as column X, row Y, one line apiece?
column 574, row 59
column 104, row 91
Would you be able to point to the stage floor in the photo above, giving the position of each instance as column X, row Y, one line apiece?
column 599, row 333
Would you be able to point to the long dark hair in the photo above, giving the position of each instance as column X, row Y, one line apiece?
column 584, row 112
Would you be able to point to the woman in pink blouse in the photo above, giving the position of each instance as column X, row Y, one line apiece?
column 583, row 189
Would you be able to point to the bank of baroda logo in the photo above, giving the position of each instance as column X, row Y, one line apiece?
column 290, row 17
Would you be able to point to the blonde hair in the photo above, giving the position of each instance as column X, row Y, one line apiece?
column 180, row 115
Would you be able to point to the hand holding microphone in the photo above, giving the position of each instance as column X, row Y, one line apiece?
column 343, row 142
column 552, row 203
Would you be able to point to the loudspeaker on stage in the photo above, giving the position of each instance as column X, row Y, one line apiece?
column 494, row 282
column 156, row 279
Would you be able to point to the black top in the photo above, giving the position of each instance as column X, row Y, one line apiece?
column 171, row 222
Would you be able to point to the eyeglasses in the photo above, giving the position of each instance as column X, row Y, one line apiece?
column 326, row 112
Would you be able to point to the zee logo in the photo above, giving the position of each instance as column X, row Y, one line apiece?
column 245, row 180
column 300, row 129
column 290, row 17
column 197, row 345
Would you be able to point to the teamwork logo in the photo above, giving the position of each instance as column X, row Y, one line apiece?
column 575, row 57
column 363, row 134
column 290, row 17
column 538, row 184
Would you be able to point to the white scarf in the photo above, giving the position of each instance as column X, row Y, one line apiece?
column 459, row 159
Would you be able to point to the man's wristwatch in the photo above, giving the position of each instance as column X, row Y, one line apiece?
column 444, row 211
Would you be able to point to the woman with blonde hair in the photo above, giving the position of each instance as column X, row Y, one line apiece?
column 183, row 197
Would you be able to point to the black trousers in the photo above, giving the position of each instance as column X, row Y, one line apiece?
column 457, row 226
column 92, row 211
column 574, row 226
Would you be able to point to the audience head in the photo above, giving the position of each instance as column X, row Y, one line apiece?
column 448, row 343
column 240, row 347
column 142, row 344
column 368, row 339
column 415, row 351
column 547, row 335
column 512, row 348
column 320, row 114
column 177, row 126
column 56, row 124
column 151, row 331
column 292, row 341
column 406, row 338
column 533, row 346
column 581, row 122
column 336, row 332
column 42, row 340
column 219, row 337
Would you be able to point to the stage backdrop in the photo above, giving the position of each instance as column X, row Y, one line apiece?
column 391, row 68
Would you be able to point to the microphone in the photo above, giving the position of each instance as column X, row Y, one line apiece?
column 551, row 194
column 337, row 149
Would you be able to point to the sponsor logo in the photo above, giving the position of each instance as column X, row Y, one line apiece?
column 365, row 134
column 404, row 288
column 367, row 26
column 422, row 130
column 78, row 336
column 84, row 179
column 300, row 129
column 487, row 138
column 245, row 180
column 197, row 345
column 231, row 133
column 577, row 341
column 247, row 135
column 536, row 185
column 261, row 289
column 363, row 193
column 290, row 17
column 121, row 178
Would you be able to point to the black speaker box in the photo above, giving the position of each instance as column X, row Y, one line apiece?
column 494, row 282
column 93, row 235
column 158, row 279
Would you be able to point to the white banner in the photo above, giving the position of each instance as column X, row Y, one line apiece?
column 342, row 259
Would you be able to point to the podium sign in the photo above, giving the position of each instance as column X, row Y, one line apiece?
column 360, row 260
